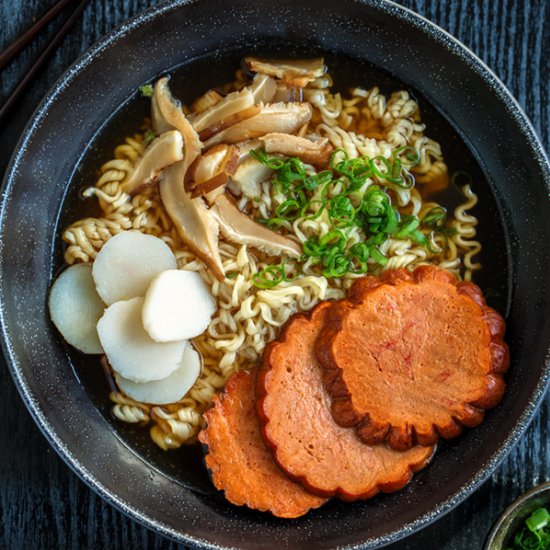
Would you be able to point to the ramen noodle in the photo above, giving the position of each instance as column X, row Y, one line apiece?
column 364, row 123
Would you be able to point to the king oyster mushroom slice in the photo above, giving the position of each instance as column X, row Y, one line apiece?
column 274, row 117
column 245, row 147
column 311, row 152
column 263, row 88
column 295, row 73
column 192, row 219
column 231, row 104
column 194, row 224
column 248, row 177
column 282, row 93
column 206, row 100
column 230, row 121
column 161, row 153
column 211, row 171
column 239, row 228
column 167, row 115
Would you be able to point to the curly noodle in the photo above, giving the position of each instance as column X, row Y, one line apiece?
column 248, row 318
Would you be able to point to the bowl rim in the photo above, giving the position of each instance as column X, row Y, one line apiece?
column 511, row 508
column 392, row 9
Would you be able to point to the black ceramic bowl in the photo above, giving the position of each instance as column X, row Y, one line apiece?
column 158, row 490
column 513, row 518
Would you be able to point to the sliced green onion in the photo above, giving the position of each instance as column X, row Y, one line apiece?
column 436, row 217
column 410, row 154
column 536, row 534
column 332, row 236
column 418, row 237
column 348, row 195
column 360, row 251
column 270, row 276
column 539, row 519
column 432, row 244
column 408, row 224
column 312, row 182
column 148, row 137
column 377, row 256
column 271, row 162
column 289, row 209
column 146, row 90
column 336, row 264
column 391, row 222
column 341, row 211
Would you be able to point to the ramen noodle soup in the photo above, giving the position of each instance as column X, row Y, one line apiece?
column 272, row 193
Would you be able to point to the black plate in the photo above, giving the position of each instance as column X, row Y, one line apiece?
column 395, row 40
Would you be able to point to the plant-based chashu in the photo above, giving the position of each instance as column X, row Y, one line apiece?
column 238, row 460
column 410, row 357
column 294, row 411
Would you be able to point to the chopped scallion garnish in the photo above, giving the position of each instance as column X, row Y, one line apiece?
column 353, row 194
column 536, row 534
column 146, row 90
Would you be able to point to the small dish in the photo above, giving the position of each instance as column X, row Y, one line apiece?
column 505, row 527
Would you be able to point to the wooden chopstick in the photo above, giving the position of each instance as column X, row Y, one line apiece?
column 13, row 49
column 43, row 57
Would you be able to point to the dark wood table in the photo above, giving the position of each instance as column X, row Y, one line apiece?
column 42, row 503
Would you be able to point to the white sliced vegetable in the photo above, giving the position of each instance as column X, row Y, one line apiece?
column 178, row 305
column 168, row 390
column 130, row 350
column 75, row 308
column 127, row 264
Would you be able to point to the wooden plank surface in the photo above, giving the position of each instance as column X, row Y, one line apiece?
column 42, row 503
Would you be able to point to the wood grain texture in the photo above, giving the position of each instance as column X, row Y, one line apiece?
column 42, row 503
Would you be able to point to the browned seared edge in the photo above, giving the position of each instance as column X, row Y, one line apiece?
column 410, row 357
column 296, row 421
column 238, row 460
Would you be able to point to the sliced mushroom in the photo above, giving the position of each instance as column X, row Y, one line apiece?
column 229, row 105
column 248, row 177
column 293, row 72
column 205, row 101
column 245, row 147
column 193, row 221
column 263, row 88
column 303, row 130
column 282, row 93
column 194, row 224
column 275, row 117
column 166, row 115
column 239, row 228
column 230, row 121
column 161, row 153
column 211, row 171
column 311, row 152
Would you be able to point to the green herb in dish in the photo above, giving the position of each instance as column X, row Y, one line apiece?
column 536, row 533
